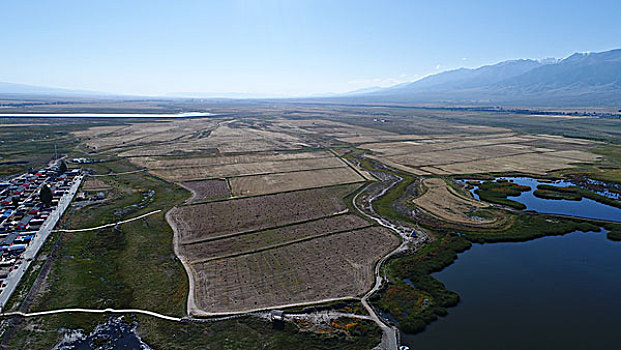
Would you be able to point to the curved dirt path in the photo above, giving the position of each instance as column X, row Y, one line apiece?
column 190, row 305
column 389, row 338
column 109, row 225
column 117, row 174
column 92, row 311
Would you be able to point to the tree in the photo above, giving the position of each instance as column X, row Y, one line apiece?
column 15, row 201
column 62, row 167
column 46, row 195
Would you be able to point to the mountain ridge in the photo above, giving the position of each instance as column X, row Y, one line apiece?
column 581, row 79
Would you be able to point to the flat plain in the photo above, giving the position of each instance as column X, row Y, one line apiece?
column 207, row 189
column 213, row 219
column 271, row 183
column 334, row 266
column 459, row 154
column 268, row 223
column 267, row 251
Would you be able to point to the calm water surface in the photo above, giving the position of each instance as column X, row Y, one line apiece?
column 586, row 208
column 560, row 292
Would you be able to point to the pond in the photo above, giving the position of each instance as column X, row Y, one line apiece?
column 586, row 208
column 113, row 334
column 561, row 292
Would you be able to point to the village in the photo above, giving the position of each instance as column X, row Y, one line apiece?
column 30, row 206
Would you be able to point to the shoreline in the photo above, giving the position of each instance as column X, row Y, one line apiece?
column 108, row 115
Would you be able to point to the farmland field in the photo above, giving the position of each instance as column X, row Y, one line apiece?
column 246, row 158
column 256, row 252
column 207, row 189
column 173, row 173
column 264, row 184
column 462, row 154
column 443, row 202
column 206, row 220
column 293, row 273
column 235, row 244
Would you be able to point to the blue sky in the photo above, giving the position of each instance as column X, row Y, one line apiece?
column 290, row 47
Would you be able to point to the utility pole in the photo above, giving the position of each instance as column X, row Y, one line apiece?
column 55, row 152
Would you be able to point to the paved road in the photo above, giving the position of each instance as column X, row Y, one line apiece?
column 37, row 242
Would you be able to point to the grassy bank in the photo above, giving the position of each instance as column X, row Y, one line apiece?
column 413, row 297
column 573, row 193
column 608, row 169
column 525, row 227
column 252, row 333
column 498, row 191
column 385, row 205
column 242, row 333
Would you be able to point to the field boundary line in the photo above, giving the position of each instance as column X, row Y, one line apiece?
column 286, row 172
column 117, row 174
column 198, row 154
column 256, row 174
column 271, row 194
column 235, row 234
column 347, row 164
column 109, row 225
column 275, row 246
column 328, row 155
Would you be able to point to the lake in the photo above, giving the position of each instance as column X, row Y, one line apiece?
column 561, row 292
column 586, row 208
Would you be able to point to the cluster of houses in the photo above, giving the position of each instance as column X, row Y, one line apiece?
column 22, row 213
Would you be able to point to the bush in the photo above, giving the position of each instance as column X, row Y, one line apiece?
column 413, row 325
column 497, row 192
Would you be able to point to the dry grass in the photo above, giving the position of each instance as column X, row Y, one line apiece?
column 245, row 169
column 272, row 183
column 206, row 220
column 218, row 248
column 207, row 189
column 95, row 185
column 442, row 201
column 536, row 163
column 506, row 152
column 333, row 266
column 233, row 159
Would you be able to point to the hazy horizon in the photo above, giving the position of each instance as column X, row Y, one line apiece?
column 278, row 48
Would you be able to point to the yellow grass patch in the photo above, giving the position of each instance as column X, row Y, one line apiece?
column 271, row 183
column 442, row 201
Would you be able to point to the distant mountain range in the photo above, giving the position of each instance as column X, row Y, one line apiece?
column 582, row 79
column 22, row 89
